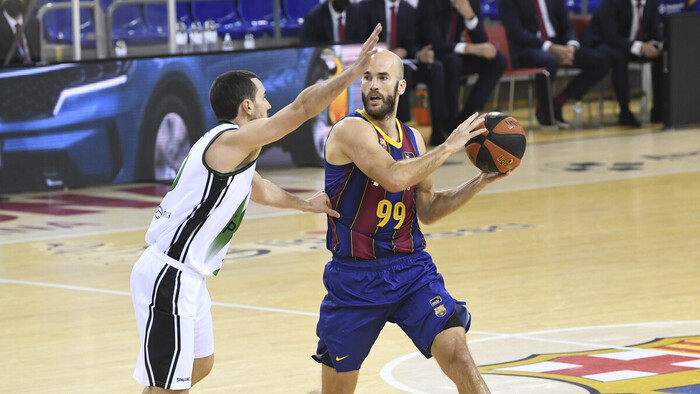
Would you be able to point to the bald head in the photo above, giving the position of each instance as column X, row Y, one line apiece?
column 387, row 61
column 382, row 84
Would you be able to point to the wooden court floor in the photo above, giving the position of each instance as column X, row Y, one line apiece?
column 580, row 269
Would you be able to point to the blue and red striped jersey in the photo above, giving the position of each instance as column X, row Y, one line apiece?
column 373, row 222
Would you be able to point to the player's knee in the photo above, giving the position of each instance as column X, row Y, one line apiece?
column 457, row 360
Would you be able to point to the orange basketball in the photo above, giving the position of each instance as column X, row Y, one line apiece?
column 501, row 147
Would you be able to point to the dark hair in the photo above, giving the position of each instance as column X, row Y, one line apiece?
column 228, row 92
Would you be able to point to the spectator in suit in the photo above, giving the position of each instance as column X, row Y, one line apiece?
column 615, row 30
column 442, row 23
column 398, row 18
column 11, row 22
column 540, row 34
column 333, row 21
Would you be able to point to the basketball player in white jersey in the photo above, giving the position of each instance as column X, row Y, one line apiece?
column 192, row 228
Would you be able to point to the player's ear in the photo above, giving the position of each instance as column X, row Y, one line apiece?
column 247, row 106
column 402, row 87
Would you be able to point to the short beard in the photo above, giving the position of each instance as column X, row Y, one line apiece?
column 259, row 114
column 385, row 110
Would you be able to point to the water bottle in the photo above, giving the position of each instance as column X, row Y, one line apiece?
column 578, row 115
column 249, row 41
column 644, row 110
column 196, row 37
column 227, row 44
column 211, row 37
column 120, row 48
column 181, row 38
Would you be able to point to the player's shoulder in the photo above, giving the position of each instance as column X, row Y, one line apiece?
column 350, row 130
column 350, row 123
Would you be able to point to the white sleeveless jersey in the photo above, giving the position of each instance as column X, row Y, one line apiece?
column 197, row 218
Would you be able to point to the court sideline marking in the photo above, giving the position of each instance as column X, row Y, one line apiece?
column 283, row 212
column 492, row 335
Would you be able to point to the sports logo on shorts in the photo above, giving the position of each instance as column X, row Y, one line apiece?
column 435, row 301
column 669, row 365
column 440, row 311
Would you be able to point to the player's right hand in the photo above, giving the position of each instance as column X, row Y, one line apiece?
column 320, row 203
column 469, row 129
column 368, row 49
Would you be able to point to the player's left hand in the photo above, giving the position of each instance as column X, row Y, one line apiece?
column 320, row 203
column 489, row 177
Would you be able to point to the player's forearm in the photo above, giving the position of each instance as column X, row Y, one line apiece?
column 407, row 173
column 315, row 98
column 274, row 196
column 445, row 202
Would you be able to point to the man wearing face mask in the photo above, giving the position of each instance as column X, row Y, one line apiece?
column 12, row 22
column 333, row 21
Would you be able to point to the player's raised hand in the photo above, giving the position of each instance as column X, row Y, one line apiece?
column 469, row 129
column 368, row 49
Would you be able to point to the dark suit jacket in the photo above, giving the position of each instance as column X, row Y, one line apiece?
column 612, row 20
column 31, row 31
column 374, row 11
column 318, row 26
column 434, row 25
column 520, row 20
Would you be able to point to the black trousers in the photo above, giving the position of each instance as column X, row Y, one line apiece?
column 433, row 76
column 594, row 66
column 620, row 74
column 456, row 65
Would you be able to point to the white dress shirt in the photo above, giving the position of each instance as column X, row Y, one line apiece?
column 12, row 21
column 387, row 12
column 550, row 28
column 636, row 45
column 470, row 24
column 334, row 17
column 13, row 25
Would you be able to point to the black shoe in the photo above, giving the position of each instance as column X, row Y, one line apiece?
column 656, row 116
column 627, row 119
column 560, row 120
column 543, row 118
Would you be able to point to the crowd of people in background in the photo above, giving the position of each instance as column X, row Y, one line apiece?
column 448, row 42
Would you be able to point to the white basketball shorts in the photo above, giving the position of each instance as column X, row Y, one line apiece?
column 173, row 314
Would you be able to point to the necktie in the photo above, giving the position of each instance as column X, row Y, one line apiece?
column 453, row 26
column 20, row 43
column 341, row 29
column 543, row 29
column 394, row 29
column 639, row 16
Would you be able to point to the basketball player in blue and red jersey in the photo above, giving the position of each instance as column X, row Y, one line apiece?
column 192, row 228
column 378, row 177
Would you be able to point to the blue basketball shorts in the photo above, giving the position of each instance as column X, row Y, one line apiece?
column 365, row 294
